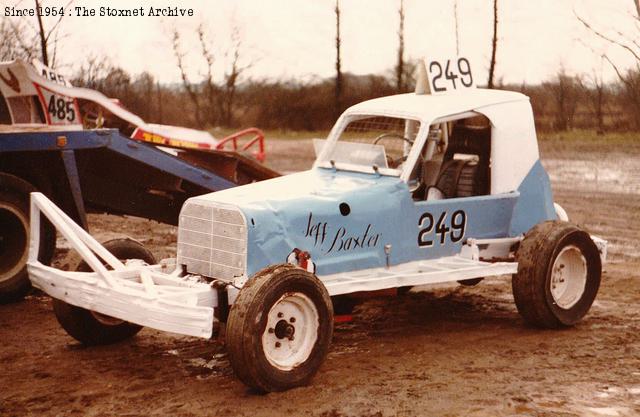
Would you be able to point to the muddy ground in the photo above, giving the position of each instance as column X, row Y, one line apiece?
column 446, row 351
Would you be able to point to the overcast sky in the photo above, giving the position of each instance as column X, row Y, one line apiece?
column 296, row 38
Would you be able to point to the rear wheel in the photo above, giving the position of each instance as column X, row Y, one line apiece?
column 14, row 238
column 93, row 328
column 558, row 275
column 279, row 329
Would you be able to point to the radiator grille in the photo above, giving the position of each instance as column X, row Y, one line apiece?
column 212, row 240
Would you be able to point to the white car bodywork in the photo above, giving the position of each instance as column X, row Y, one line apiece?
column 508, row 111
column 19, row 82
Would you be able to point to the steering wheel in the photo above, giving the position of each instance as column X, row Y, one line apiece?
column 393, row 163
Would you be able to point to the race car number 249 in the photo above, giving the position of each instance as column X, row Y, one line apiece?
column 449, row 75
column 432, row 231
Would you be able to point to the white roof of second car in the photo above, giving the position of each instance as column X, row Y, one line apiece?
column 429, row 106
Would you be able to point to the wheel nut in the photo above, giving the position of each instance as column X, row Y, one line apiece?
column 292, row 320
column 280, row 315
column 271, row 330
column 278, row 344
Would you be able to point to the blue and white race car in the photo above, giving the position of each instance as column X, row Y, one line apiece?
column 407, row 190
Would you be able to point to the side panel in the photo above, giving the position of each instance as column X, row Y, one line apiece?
column 386, row 217
column 514, row 148
column 535, row 204
column 340, row 233
column 441, row 227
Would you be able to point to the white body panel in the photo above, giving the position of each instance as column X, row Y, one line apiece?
column 514, row 148
column 28, row 78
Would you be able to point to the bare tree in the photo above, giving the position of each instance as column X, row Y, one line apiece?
column 45, row 35
column 189, row 88
column 565, row 95
column 338, row 86
column 630, row 78
column 455, row 18
column 400, row 65
column 231, row 77
column 92, row 72
column 159, row 100
column 596, row 93
column 210, row 88
column 494, row 44
column 16, row 41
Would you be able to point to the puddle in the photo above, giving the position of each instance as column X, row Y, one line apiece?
column 619, row 176
column 604, row 411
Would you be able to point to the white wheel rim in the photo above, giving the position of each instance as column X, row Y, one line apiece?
column 568, row 277
column 291, row 331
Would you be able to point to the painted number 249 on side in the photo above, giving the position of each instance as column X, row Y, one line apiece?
column 432, row 230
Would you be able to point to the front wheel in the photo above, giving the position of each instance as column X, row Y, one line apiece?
column 279, row 329
column 90, row 327
column 558, row 275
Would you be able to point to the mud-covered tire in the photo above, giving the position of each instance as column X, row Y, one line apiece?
column 558, row 275
column 91, row 328
column 14, row 238
column 260, row 322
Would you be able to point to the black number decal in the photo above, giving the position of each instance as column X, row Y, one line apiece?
column 422, row 241
column 435, row 79
column 51, row 107
column 60, row 109
column 458, row 224
column 466, row 72
column 441, row 228
column 71, row 113
column 450, row 75
column 455, row 227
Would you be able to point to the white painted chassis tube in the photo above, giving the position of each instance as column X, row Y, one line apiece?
column 137, row 293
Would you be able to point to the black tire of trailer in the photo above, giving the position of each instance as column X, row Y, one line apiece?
column 532, row 285
column 91, row 328
column 14, row 237
column 248, row 321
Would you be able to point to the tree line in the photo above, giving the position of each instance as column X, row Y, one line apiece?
column 562, row 103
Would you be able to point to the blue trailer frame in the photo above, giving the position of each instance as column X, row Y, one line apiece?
column 103, row 171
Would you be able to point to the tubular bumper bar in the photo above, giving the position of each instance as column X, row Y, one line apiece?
column 138, row 293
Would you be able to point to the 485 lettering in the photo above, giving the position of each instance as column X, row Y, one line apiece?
column 452, row 227
column 61, row 109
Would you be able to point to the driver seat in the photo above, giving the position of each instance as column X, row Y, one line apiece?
column 465, row 167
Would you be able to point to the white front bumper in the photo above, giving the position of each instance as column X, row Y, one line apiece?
column 160, row 301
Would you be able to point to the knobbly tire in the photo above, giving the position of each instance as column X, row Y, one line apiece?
column 91, row 328
column 14, row 238
column 558, row 275
column 279, row 329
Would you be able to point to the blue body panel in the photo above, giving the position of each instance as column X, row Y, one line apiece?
column 535, row 204
column 303, row 211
